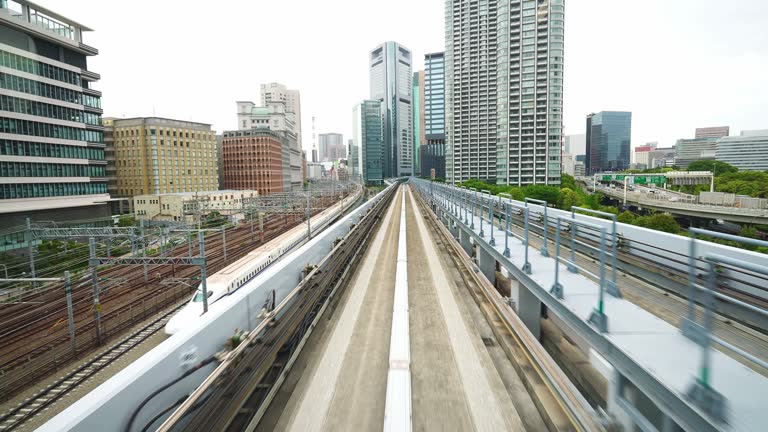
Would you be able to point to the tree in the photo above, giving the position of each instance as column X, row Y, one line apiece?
column 659, row 222
column 716, row 167
column 126, row 221
column 626, row 217
column 567, row 182
column 569, row 198
column 550, row 194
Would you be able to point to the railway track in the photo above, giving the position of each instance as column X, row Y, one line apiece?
column 22, row 362
column 50, row 394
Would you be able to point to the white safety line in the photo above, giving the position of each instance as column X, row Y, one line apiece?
column 316, row 401
column 484, row 407
column 397, row 411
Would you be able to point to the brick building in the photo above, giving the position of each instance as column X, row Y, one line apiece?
column 257, row 159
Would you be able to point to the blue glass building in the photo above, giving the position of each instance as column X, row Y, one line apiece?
column 608, row 141
column 432, row 151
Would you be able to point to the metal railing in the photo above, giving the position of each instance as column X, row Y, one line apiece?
column 597, row 317
column 700, row 391
column 464, row 201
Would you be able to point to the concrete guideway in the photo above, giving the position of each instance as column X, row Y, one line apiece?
column 350, row 374
column 457, row 383
column 468, row 374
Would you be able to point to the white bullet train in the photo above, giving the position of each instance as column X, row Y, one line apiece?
column 235, row 275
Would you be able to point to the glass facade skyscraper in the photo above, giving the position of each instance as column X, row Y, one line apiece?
column 504, row 90
column 391, row 76
column 608, row 141
column 52, row 146
column 433, row 151
column 368, row 141
column 418, row 117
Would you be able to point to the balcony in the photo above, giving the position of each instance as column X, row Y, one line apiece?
column 90, row 76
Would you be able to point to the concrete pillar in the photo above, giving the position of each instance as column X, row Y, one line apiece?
column 529, row 310
column 487, row 264
column 465, row 243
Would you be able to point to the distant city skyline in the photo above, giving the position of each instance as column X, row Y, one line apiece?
column 643, row 68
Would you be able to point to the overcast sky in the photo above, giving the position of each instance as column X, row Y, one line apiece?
column 676, row 64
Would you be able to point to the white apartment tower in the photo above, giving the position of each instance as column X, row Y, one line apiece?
column 276, row 92
column 504, row 90
column 391, row 72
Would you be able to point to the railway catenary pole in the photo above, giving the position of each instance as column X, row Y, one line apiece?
column 224, row 241
column 70, row 313
column 203, row 275
column 31, row 249
column 309, row 212
column 143, row 247
column 95, row 282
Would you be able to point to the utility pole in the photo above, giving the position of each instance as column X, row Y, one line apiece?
column 95, row 282
column 203, row 275
column 309, row 212
column 31, row 250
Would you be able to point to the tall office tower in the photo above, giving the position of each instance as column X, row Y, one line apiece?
column 331, row 147
column 391, row 80
column 276, row 92
column 117, row 206
column 576, row 144
column 353, row 159
column 52, row 162
column 713, row 132
column 608, row 141
column 368, row 140
column 504, row 90
column 157, row 155
column 418, row 118
column 433, row 149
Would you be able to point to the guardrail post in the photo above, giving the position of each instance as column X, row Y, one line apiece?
column 474, row 204
column 700, row 391
column 70, row 313
column 611, row 285
column 545, row 225
column 688, row 325
column 574, row 227
column 557, row 288
column 490, row 216
column 506, row 230
column 482, row 232
column 527, row 265
column 598, row 317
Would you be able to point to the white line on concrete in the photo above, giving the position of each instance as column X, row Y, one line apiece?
column 397, row 412
column 484, row 407
column 316, row 400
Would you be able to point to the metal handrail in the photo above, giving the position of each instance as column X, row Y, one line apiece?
column 544, row 250
column 613, row 288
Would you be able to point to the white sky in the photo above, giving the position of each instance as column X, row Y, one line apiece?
column 676, row 64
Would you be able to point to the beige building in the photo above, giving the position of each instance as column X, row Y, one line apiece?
column 157, row 156
column 183, row 206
